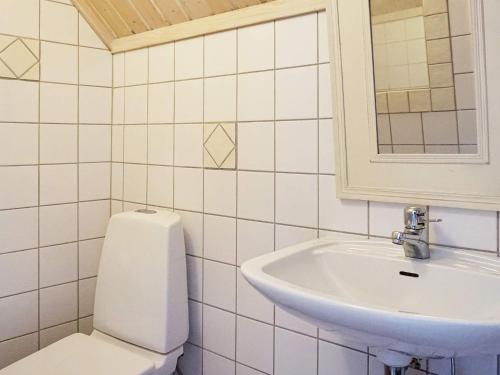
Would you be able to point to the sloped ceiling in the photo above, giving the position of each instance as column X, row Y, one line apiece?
column 113, row 19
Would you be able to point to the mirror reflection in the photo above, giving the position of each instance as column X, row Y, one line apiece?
column 424, row 77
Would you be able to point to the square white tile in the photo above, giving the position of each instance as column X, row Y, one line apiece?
column 94, row 181
column 58, row 22
column 60, row 63
column 86, row 297
column 188, row 189
column 135, row 144
column 22, row 311
column 193, row 231
column 220, row 53
column 220, row 238
column 20, row 18
column 189, row 58
column 58, row 224
column 188, row 151
column 256, row 96
column 254, row 238
column 254, row 345
column 58, row 183
column 161, row 103
column 464, row 228
column 89, row 253
column 214, row 364
column 58, row 103
column 297, row 93
column 134, row 183
column 340, row 214
column 93, row 219
column 219, row 331
column 136, row 105
column 58, row 264
column 160, row 186
column 195, row 322
column 19, row 187
column 256, row 146
column 189, row 101
column 19, row 100
column 297, row 41
column 136, row 67
column 96, row 67
column 94, row 143
column 119, row 69
column 20, row 229
column 287, row 235
column 340, row 359
column 326, row 147
column 256, row 195
column 161, row 63
column 161, row 144
column 295, row 354
column 117, row 143
column 95, row 105
column 220, row 99
column 220, row 192
column 18, row 144
column 19, row 272
column 256, row 47
column 58, row 304
column 291, row 322
column 297, row 199
column 219, row 285
column 297, row 146
column 87, row 36
column 194, row 277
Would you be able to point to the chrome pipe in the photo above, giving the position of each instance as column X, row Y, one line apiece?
column 395, row 370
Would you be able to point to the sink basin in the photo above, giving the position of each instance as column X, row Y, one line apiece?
column 367, row 291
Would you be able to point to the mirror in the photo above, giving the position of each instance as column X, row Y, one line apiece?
column 415, row 94
column 423, row 56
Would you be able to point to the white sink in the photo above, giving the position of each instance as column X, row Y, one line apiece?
column 447, row 306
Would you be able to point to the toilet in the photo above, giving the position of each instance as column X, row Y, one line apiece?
column 140, row 313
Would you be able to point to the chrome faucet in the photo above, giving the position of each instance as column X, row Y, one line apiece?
column 415, row 237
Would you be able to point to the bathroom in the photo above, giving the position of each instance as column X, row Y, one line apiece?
column 242, row 117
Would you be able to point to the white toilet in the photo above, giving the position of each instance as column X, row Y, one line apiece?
column 140, row 314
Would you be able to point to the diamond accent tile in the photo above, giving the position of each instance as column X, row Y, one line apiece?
column 220, row 146
column 19, row 58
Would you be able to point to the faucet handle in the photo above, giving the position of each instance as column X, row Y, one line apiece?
column 415, row 217
column 435, row 220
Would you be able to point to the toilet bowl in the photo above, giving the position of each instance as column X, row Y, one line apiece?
column 140, row 313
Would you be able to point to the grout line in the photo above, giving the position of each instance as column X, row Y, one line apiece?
column 78, row 182
column 236, row 175
column 39, row 185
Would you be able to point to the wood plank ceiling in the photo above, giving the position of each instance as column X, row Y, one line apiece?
column 113, row 19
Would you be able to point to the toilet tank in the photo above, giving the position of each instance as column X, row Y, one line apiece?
column 141, row 292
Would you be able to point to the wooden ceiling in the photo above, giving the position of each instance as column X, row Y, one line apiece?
column 114, row 19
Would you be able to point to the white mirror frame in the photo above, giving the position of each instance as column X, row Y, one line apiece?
column 468, row 181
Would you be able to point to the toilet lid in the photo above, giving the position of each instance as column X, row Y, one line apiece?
column 79, row 354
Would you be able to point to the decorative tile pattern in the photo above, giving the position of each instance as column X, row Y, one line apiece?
column 219, row 144
column 19, row 58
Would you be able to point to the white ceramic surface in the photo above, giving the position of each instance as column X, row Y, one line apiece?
column 355, row 288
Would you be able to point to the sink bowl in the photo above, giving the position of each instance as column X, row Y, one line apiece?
column 369, row 292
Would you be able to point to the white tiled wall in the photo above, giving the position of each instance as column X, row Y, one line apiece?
column 55, row 153
column 276, row 78
column 272, row 81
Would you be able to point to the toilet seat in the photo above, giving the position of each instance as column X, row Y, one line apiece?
column 97, row 354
